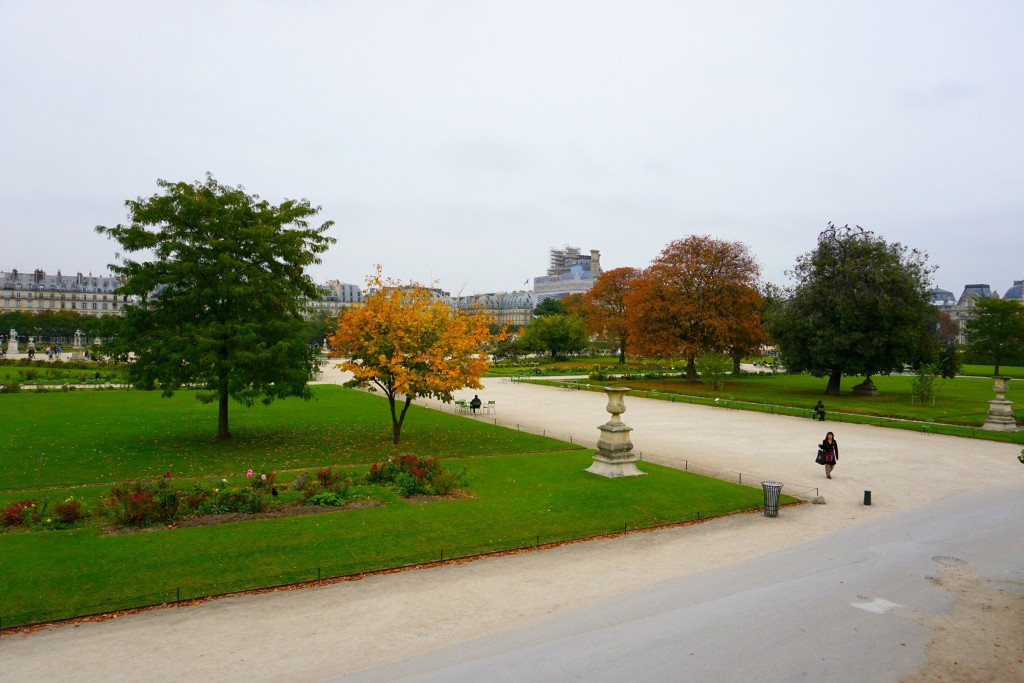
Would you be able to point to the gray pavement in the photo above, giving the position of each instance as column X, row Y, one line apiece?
column 845, row 607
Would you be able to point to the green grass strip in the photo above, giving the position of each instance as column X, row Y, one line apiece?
column 95, row 437
column 517, row 501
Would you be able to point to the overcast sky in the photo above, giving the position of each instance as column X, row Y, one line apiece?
column 457, row 141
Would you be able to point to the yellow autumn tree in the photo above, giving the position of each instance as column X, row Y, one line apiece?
column 407, row 344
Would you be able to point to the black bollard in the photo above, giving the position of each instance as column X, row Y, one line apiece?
column 867, row 497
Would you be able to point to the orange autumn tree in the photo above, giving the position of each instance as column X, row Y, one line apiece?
column 605, row 306
column 700, row 295
column 407, row 344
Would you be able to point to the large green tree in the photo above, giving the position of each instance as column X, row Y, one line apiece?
column 556, row 333
column 549, row 306
column 996, row 332
column 219, row 288
column 859, row 307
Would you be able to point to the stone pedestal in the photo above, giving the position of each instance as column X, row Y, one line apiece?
column 1000, row 417
column 866, row 388
column 614, row 456
column 12, row 347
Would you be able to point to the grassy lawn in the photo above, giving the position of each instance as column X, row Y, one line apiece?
column 531, row 489
column 580, row 366
column 76, row 438
column 960, row 407
column 1013, row 371
column 58, row 373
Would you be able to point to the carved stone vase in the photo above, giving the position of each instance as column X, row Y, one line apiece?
column 614, row 456
column 1000, row 416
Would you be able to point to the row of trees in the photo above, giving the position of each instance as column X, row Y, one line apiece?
column 224, row 272
column 859, row 307
column 57, row 325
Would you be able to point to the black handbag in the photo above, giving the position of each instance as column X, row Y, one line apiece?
column 821, row 457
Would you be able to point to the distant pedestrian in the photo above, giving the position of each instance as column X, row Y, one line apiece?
column 830, row 449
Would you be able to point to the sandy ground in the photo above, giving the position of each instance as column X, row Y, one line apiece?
column 319, row 632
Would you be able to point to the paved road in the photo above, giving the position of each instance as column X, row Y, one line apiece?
column 846, row 607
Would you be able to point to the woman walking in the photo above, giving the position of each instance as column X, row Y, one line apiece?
column 831, row 450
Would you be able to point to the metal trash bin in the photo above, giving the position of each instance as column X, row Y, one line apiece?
column 771, row 497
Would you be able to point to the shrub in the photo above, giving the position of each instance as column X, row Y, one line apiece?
column 328, row 478
column 167, row 499
column 302, row 481
column 407, row 485
column 446, row 483
column 248, row 502
column 131, row 504
column 328, row 499
column 411, row 474
column 68, row 512
column 713, row 369
column 263, row 480
column 18, row 513
column 141, row 503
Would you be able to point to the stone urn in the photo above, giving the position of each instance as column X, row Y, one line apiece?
column 616, row 403
column 614, row 456
column 1000, row 416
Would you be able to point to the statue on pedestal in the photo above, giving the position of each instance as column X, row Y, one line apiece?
column 77, row 352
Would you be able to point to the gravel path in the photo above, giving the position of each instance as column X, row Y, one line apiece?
column 312, row 634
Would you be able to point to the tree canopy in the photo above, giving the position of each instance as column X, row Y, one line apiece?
column 605, row 307
column 219, row 293
column 558, row 334
column 859, row 307
column 549, row 306
column 700, row 295
column 407, row 344
column 996, row 332
column 56, row 325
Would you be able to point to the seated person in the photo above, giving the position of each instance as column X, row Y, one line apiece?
column 475, row 404
column 819, row 412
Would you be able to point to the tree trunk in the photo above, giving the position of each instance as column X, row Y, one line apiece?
column 833, row 383
column 622, row 353
column 398, row 418
column 691, row 368
column 222, row 416
column 396, row 425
